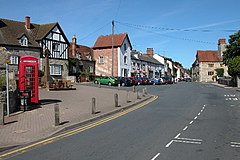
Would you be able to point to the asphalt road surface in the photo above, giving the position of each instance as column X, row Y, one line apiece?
column 188, row 121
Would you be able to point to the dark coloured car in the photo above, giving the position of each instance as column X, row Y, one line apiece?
column 134, row 80
column 188, row 80
column 125, row 81
column 168, row 80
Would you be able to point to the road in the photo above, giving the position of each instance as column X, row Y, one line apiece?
column 187, row 121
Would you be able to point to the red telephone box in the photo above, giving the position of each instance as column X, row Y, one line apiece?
column 28, row 76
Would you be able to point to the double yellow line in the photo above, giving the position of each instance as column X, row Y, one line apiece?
column 52, row 139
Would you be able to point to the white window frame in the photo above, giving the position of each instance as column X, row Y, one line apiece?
column 91, row 69
column 55, row 69
column 14, row 59
column 101, row 59
column 24, row 41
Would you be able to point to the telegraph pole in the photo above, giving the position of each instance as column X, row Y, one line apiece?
column 112, row 47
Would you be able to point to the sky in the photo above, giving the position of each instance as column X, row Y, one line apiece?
column 173, row 28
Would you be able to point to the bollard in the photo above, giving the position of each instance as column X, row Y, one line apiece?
column 143, row 92
column 99, row 84
column 1, row 113
column 146, row 91
column 138, row 97
column 128, row 100
column 119, row 86
column 116, row 100
column 94, row 105
column 56, row 111
column 134, row 88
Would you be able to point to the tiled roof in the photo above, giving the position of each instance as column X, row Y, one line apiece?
column 106, row 41
column 208, row 56
column 11, row 31
column 84, row 51
column 145, row 58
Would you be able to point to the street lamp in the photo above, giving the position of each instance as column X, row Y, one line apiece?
column 7, row 61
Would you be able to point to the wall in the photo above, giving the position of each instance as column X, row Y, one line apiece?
column 105, row 69
column 121, row 64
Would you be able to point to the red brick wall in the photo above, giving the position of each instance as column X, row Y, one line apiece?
column 106, row 68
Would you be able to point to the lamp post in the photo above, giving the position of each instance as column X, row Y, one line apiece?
column 7, row 61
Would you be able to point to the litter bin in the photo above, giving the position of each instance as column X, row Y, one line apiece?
column 25, row 99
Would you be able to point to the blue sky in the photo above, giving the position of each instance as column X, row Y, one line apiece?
column 173, row 28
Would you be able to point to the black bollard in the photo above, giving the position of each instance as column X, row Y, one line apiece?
column 56, row 111
column 94, row 105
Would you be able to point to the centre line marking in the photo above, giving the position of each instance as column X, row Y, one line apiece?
column 202, row 110
column 155, row 156
column 191, row 122
column 177, row 135
column 195, row 117
column 169, row 144
column 199, row 114
column 185, row 128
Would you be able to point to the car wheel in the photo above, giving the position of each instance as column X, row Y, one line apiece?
column 123, row 84
column 96, row 82
column 109, row 83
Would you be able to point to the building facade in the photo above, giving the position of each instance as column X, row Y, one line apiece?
column 112, row 55
column 207, row 61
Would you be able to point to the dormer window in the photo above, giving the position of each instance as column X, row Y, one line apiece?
column 23, row 41
column 89, row 57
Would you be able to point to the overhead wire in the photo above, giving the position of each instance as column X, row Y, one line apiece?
column 140, row 27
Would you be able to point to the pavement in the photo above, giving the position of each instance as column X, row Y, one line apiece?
column 75, row 110
column 225, row 86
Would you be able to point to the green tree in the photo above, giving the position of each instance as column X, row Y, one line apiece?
column 231, row 57
column 220, row 72
column 233, row 49
column 234, row 66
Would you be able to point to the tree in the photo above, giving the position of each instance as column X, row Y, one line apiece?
column 231, row 57
column 220, row 72
column 233, row 49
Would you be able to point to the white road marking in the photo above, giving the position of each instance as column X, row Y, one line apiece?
column 190, row 142
column 191, row 122
column 202, row 110
column 178, row 135
column 185, row 128
column 235, row 146
column 169, row 144
column 155, row 156
column 189, row 139
column 232, row 95
column 195, row 117
column 235, row 143
column 199, row 114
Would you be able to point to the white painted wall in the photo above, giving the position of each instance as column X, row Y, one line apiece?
column 121, row 54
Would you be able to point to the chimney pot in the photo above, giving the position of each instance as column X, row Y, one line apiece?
column 150, row 51
column 27, row 22
column 222, row 41
column 74, row 46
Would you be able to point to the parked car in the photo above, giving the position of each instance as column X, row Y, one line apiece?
column 125, row 81
column 188, row 79
column 107, row 80
column 162, row 81
column 145, row 81
column 169, row 80
column 134, row 80
column 155, row 81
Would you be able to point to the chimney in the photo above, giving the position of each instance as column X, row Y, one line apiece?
column 221, row 46
column 150, row 51
column 134, row 50
column 27, row 22
column 74, row 46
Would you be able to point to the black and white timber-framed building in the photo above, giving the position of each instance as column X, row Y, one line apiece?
column 25, row 38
